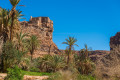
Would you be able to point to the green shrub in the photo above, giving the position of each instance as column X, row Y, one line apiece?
column 14, row 74
column 84, row 65
column 52, row 63
column 34, row 69
column 27, row 65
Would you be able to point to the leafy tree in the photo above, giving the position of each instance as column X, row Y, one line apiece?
column 71, row 43
column 32, row 44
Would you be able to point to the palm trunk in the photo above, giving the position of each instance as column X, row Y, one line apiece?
column 31, row 57
column 86, row 54
column 2, row 64
column 1, row 27
column 11, row 28
column 5, row 37
column 68, row 58
column 69, row 53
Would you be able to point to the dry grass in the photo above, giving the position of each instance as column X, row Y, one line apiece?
column 108, row 67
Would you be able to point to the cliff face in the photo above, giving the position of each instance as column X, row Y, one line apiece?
column 42, row 27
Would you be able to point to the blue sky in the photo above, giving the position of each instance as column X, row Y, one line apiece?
column 90, row 21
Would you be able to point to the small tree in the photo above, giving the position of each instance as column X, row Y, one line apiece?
column 83, row 62
column 71, row 43
column 32, row 44
column 84, row 53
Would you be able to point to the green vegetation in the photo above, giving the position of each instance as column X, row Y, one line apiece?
column 52, row 63
column 35, row 73
column 14, row 74
column 32, row 44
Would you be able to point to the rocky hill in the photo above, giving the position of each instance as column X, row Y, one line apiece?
column 42, row 27
column 108, row 66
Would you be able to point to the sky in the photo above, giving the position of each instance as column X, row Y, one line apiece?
column 91, row 22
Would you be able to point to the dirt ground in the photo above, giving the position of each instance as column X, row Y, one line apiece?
column 26, row 77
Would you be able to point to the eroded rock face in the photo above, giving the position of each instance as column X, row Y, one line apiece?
column 115, row 41
column 42, row 27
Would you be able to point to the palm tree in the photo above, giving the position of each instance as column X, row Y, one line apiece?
column 85, row 52
column 32, row 44
column 13, row 11
column 71, row 43
column 21, row 38
column 4, row 23
column 56, row 63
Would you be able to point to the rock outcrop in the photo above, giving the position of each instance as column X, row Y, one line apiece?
column 115, row 41
column 42, row 27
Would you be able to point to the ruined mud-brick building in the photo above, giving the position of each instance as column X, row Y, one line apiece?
column 42, row 27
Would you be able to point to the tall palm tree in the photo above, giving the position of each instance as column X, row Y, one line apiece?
column 71, row 43
column 4, row 23
column 32, row 44
column 14, row 3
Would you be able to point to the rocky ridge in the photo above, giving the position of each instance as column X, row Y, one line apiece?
column 108, row 65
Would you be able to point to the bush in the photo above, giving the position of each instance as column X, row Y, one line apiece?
column 52, row 63
column 34, row 69
column 84, row 65
column 14, row 74
column 27, row 65
column 10, row 56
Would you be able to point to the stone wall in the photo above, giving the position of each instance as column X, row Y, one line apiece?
column 42, row 27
